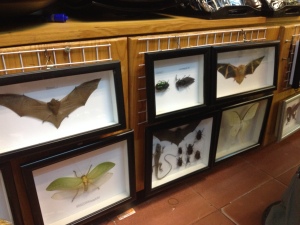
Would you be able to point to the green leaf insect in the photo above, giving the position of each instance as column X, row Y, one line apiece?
column 71, row 186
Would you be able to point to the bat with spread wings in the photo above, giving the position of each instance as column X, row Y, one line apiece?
column 176, row 135
column 54, row 111
column 238, row 73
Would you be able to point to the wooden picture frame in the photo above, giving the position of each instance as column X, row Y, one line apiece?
column 56, row 184
column 177, row 81
column 245, row 69
column 37, row 107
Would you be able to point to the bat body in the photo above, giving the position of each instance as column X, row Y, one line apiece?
column 54, row 111
column 177, row 135
column 238, row 73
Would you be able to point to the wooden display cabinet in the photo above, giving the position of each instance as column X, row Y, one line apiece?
column 27, row 47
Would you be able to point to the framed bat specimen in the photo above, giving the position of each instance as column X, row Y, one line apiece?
column 81, row 185
column 288, row 119
column 244, row 69
column 242, row 127
column 176, row 150
column 9, row 205
column 48, row 105
column 176, row 81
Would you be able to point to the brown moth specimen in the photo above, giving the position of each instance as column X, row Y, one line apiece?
column 238, row 73
column 54, row 111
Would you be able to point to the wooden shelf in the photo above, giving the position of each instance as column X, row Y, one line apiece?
column 33, row 30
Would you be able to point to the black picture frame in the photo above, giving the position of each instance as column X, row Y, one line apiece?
column 230, row 63
column 178, row 149
column 295, row 71
column 107, row 164
column 10, row 210
column 101, row 109
column 177, row 82
column 242, row 126
column 288, row 117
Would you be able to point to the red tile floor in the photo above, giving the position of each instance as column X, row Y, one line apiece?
column 235, row 191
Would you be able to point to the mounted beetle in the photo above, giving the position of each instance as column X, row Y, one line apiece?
column 179, row 150
column 162, row 85
column 199, row 134
column 184, row 82
column 197, row 155
column 179, row 161
column 189, row 149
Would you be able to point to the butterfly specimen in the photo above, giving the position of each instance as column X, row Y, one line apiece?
column 54, row 111
column 70, row 186
column 239, row 123
column 238, row 73
column 291, row 112
column 177, row 135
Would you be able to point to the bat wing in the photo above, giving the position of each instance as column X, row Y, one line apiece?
column 26, row 106
column 227, row 70
column 75, row 99
column 177, row 135
column 251, row 66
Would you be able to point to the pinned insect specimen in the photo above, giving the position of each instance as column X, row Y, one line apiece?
column 238, row 73
column 197, row 155
column 184, row 82
column 187, row 160
column 70, row 184
column 157, row 164
column 189, row 149
column 180, row 150
column 291, row 112
column 179, row 161
column 240, row 123
column 177, row 135
column 162, row 85
column 199, row 134
column 54, row 111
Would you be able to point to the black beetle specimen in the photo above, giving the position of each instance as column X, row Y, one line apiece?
column 190, row 149
column 184, row 82
column 187, row 159
column 197, row 155
column 199, row 135
column 179, row 161
column 179, row 150
column 162, row 85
